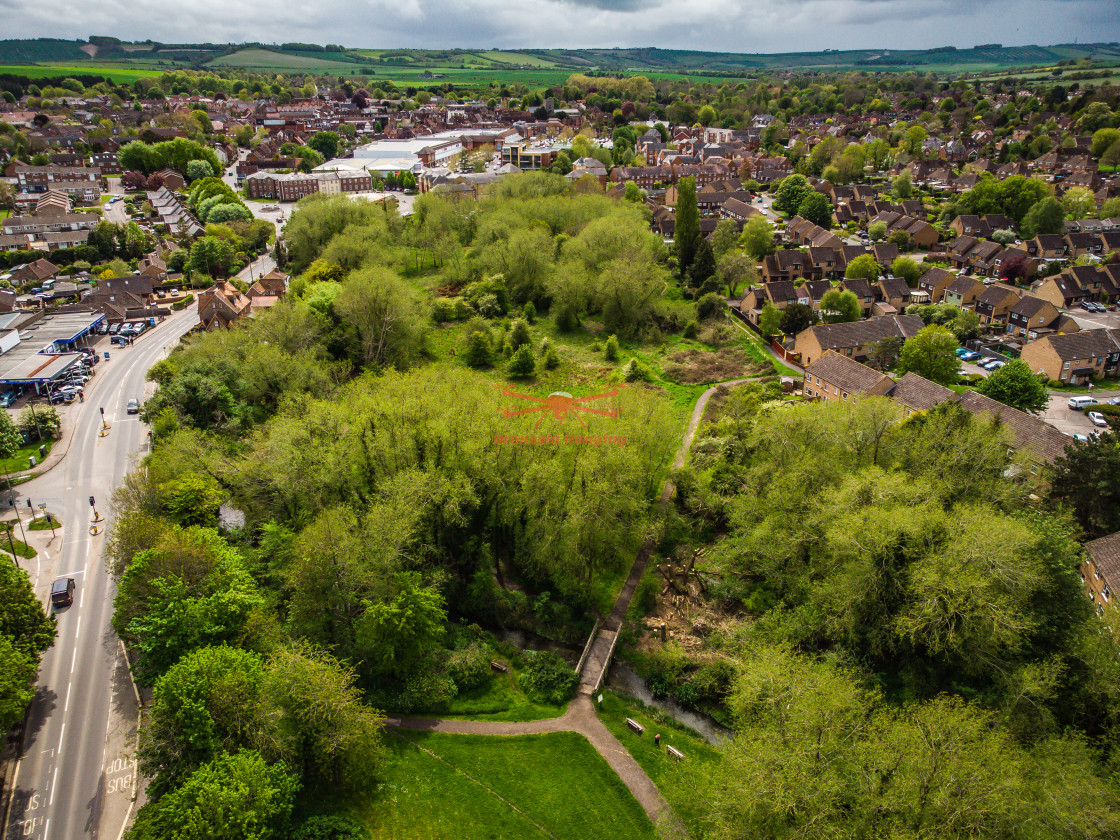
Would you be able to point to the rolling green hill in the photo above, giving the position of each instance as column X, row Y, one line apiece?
column 530, row 65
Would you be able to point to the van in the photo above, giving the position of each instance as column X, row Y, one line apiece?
column 62, row 592
column 1081, row 403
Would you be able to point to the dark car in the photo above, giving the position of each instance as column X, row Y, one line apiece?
column 62, row 592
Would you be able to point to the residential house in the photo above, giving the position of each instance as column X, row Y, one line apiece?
column 993, row 305
column 982, row 258
column 934, row 283
column 959, row 249
column 1048, row 246
column 779, row 293
column 893, row 290
column 33, row 274
column 1075, row 358
column 1031, row 315
column 855, row 338
column 916, row 393
column 962, row 292
column 221, row 305
column 1084, row 243
column 863, row 291
column 1101, row 572
column 835, row 377
column 1062, row 290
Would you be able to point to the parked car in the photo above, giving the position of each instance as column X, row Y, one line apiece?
column 60, row 396
column 1080, row 437
column 7, row 398
column 1098, row 419
column 133, row 406
column 1081, row 403
column 1088, row 307
column 1114, row 401
column 62, row 592
column 114, row 329
column 962, row 352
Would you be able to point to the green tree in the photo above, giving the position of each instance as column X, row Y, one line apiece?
column 234, row 797
column 394, row 635
column 1079, row 203
column 1016, row 385
column 325, row 728
column 10, row 438
column 863, row 267
column 706, row 115
column 611, row 350
column 907, row 269
column 208, row 703
column 479, row 353
column 770, row 321
column 839, row 307
column 686, row 229
column 932, row 354
column 757, row 237
column 903, row 185
column 325, row 143
column 797, row 317
column 634, row 193
column 17, row 681
column 197, row 169
column 734, row 269
column 193, row 499
column 791, row 192
column 376, row 302
column 724, row 237
column 703, row 265
column 519, row 334
column 1046, row 216
column 877, row 231
column 816, row 208
column 884, row 353
column 1102, row 139
column 1087, row 481
column 522, row 364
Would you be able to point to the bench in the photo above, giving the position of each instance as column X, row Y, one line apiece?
column 674, row 753
column 635, row 726
column 500, row 667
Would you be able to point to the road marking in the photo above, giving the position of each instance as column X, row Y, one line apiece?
column 66, row 705
column 61, row 732
column 77, row 627
column 47, row 828
column 73, row 659
column 71, row 574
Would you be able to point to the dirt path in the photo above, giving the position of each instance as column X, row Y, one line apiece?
column 581, row 716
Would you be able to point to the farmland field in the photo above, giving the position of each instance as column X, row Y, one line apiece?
column 42, row 71
column 268, row 60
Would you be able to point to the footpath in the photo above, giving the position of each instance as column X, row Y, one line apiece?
column 581, row 716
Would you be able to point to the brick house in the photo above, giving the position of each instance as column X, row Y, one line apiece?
column 221, row 305
column 1062, row 290
column 995, row 302
column 1075, row 358
column 962, row 292
column 934, row 283
column 1101, row 572
column 835, row 377
column 1029, row 315
column 853, row 339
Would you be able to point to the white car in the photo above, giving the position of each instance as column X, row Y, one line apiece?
column 1098, row 419
column 1114, row 401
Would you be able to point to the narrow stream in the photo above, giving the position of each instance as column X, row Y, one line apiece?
column 623, row 679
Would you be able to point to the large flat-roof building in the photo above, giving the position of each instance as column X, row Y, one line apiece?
column 37, row 349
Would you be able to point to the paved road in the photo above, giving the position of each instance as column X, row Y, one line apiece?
column 75, row 777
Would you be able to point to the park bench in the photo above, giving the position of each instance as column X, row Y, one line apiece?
column 674, row 753
column 498, row 666
column 634, row 725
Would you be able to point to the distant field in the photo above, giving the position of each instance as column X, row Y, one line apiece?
column 269, row 60
column 42, row 71
column 516, row 58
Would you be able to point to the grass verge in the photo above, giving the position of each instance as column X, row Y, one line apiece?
column 40, row 523
column 20, row 461
column 22, row 549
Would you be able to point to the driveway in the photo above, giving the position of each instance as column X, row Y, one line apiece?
column 1059, row 415
column 1094, row 320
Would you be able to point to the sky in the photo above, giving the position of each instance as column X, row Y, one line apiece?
column 720, row 25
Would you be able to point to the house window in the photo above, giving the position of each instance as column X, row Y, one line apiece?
column 845, row 395
column 1092, row 595
column 1106, row 592
column 1096, row 574
column 1065, row 366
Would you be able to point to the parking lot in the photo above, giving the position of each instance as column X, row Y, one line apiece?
column 1068, row 421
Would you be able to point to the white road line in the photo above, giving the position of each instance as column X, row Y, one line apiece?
column 77, row 628
column 47, row 828
column 61, row 732
column 71, row 574
column 66, row 705
column 73, row 659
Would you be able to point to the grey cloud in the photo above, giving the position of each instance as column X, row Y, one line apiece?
column 718, row 25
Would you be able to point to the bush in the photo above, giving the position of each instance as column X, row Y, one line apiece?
column 546, row 678
column 712, row 681
column 1054, row 383
column 469, row 667
column 184, row 303
column 330, row 827
column 427, row 690
column 611, row 350
column 710, row 305
column 529, row 312
column 567, row 319
column 691, row 329
column 443, row 310
column 522, row 362
column 635, row 371
column 519, row 334
column 551, row 359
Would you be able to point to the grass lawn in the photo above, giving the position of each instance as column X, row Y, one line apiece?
column 559, row 784
column 672, row 779
column 50, row 70
column 19, row 461
column 22, row 548
column 40, row 523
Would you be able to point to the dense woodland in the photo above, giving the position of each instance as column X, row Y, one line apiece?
column 903, row 646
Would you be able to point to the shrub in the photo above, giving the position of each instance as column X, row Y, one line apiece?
column 546, row 678
column 469, row 667
column 330, row 827
column 489, row 307
column 611, row 349
column 567, row 319
column 426, row 690
column 1054, row 383
column 529, row 312
column 444, row 310
column 184, row 303
column 519, row 334
column 710, row 305
column 522, row 363
column 635, row 371
column 691, row 329
column 713, row 680
column 551, row 359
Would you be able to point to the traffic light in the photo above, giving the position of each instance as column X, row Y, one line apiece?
column 91, row 503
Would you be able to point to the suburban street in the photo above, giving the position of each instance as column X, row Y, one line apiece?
column 76, row 777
